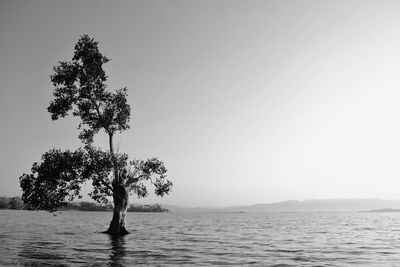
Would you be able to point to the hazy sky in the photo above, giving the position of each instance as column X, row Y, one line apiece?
column 245, row 101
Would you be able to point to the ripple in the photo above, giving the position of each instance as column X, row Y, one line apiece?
column 170, row 239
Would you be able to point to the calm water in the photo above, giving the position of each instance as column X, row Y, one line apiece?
column 261, row 239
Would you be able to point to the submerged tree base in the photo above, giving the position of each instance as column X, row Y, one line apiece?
column 112, row 232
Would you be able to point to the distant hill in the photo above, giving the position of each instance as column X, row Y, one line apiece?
column 312, row 205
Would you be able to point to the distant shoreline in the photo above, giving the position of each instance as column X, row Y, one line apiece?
column 16, row 203
column 312, row 205
column 383, row 210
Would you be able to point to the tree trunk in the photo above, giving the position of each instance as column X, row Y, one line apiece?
column 120, row 196
column 110, row 140
column 117, row 225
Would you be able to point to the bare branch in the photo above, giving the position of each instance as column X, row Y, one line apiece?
column 133, row 179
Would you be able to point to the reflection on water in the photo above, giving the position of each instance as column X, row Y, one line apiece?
column 117, row 251
column 171, row 239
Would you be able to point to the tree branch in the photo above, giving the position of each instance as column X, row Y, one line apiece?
column 136, row 179
column 106, row 185
column 99, row 114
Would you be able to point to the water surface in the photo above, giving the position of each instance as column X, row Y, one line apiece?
column 73, row 238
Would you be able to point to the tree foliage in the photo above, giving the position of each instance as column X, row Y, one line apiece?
column 80, row 90
column 57, row 178
column 80, row 87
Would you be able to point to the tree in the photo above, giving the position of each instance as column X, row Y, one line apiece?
column 4, row 202
column 16, row 203
column 80, row 90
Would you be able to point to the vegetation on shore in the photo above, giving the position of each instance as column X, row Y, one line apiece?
column 16, row 203
column 13, row 203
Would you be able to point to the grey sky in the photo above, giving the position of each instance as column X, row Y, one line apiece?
column 245, row 101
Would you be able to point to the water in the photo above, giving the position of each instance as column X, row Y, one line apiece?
column 73, row 238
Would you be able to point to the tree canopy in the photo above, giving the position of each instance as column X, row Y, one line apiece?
column 80, row 87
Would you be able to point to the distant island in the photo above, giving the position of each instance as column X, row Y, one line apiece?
column 91, row 206
column 384, row 210
column 16, row 203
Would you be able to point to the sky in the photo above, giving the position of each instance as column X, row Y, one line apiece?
column 244, row 101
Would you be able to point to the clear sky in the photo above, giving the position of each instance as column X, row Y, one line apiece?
column 245, row 101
